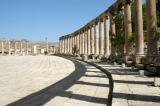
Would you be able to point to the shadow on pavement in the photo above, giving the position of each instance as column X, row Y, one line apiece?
column 58, row 89
column 137, row 97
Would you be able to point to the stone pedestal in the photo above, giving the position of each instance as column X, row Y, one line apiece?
column 157, row 81
column 141, row 72
column 84, row 57
column 100, row 56
column 114, row 63
column 93, row 57
column 123, row 65
column 127, row 58
column 144, row 73
column 138, row 59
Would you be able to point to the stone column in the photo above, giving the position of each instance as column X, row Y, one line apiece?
column 128, row 29
column 9, row 47
column 68, row 47
column 85, row 41
column 101, row 38
column 2, row 47
column 65, row 48
column 46, row 45
column 15, row 47
column 88, row 41
column 21, row 47
column 97, row 39
column 62, row 45
column 79, row 37
column 112, row 26
column 93, row 39
column 78, row 40
column 80, row 43
column 151, row 28
column 75, row 42
column 75, row 39
column 65, row 45
column 139, row 31
column 59, row 46
column 70, row 40
column 26, row 48
column 106, row 36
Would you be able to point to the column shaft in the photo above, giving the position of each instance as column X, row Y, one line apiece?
column 2, row 47
column 89, row 42
column 70, row 44
column 21, row 47
column 112, row 26
column 151, row 28
column 9, row 47
column 97, row 39
column 92, row 40
column 82, row 42
column 101, row 37
column 85, row 41
column 128, row 27
column 106, row 36
column 26, row 48
column 139, row 28
column 15, row 48
column 63, row 46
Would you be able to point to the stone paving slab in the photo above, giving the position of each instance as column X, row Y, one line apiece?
column 50, row 81
column 130, row 89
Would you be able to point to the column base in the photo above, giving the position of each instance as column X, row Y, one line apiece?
column 138, row 58
column 157, row 81
column 128, row 58
column 92, row 56
column 84, row 57
column 100, row 56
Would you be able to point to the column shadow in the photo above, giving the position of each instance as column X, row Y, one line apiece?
column 99, row 76
column 92, row 84
column 43, row 96
column 59, row 88
column 137, row 97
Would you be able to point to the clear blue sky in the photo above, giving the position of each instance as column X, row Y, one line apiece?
column 37, row 19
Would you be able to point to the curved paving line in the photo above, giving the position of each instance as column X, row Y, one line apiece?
column 111, row 82
column 43, row 96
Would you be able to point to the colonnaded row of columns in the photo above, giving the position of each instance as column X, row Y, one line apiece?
column 90, row 40
column 6, row 46
column 94, row 39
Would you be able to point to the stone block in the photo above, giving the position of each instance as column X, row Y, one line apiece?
column 85, row 57
column 144, row 73
column 157, row 81
column 123, row 65
column 141, row 72
column 114, row 63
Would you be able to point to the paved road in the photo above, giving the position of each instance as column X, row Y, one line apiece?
column 50, row 81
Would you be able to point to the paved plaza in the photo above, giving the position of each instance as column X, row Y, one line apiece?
column 50, row 81
column 131, row 89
